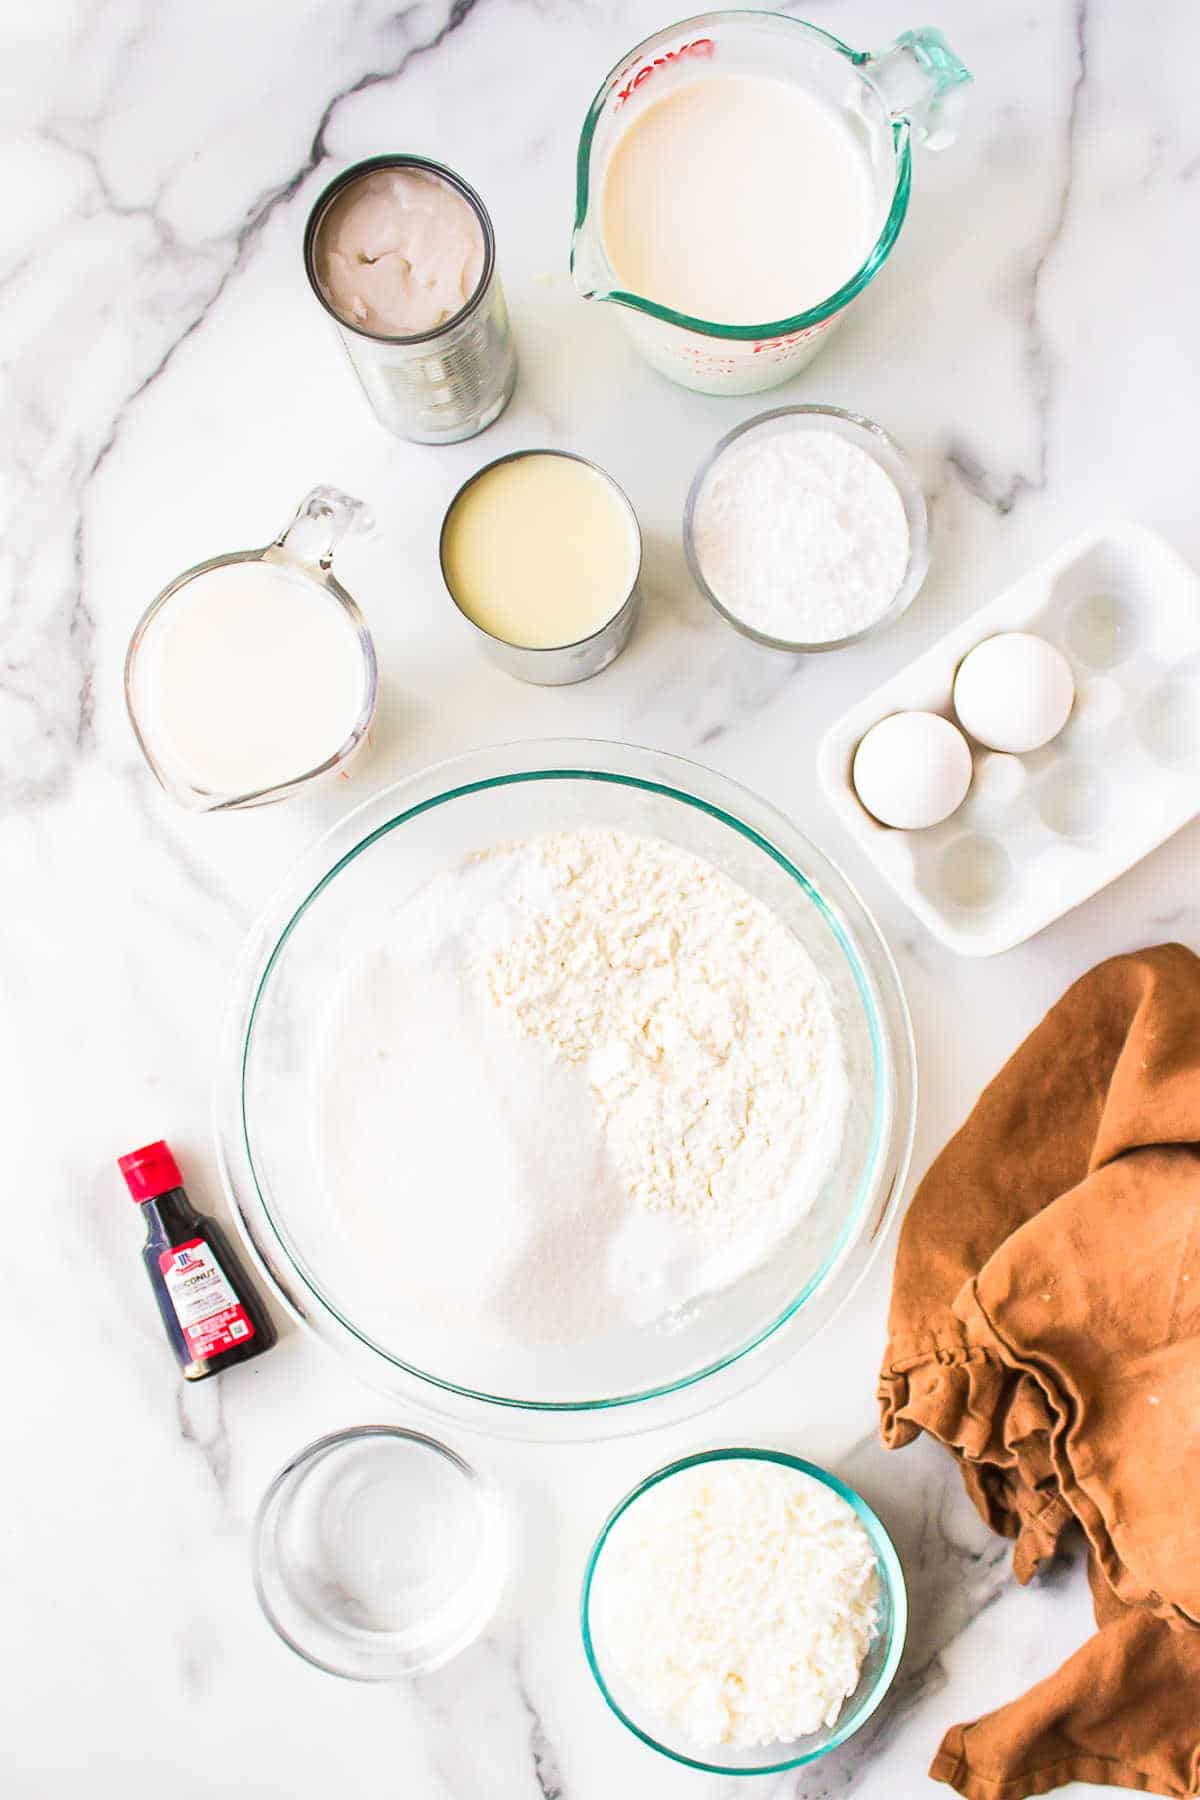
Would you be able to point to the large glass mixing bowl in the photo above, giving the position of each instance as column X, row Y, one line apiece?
column 341, row 897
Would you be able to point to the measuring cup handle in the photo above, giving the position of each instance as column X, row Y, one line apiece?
column 922, row 81
column 323, row 520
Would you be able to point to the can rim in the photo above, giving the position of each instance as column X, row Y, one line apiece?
column 618, row 490
column 356, row 172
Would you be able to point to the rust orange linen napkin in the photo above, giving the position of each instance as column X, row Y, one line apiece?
column 1045, row 1326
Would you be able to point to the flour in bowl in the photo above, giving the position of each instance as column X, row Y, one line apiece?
column 589, row 1076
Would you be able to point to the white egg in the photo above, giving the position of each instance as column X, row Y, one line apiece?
column 912, row 770
column 1014, row 692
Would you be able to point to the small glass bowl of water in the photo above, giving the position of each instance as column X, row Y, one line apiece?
column 379, row 1553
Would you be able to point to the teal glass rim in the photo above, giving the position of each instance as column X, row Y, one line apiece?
column 891, row 1575
column 814, row 315
column 885, row 1162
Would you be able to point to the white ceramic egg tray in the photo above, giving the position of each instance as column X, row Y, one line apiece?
column 1038, row 834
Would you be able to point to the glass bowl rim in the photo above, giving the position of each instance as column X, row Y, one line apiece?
column 872, row 968
column 308, row 1455
column 912, row 498
column 891, row 1575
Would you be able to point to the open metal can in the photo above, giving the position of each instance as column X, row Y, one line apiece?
column 554, row 665
column 440, row 386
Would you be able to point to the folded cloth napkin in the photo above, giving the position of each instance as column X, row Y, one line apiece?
column 1045, row 1326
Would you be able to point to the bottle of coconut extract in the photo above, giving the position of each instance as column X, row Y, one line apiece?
column 212, row 1314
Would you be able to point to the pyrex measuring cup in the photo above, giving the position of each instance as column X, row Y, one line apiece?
column 912, row 90
column 297, row 568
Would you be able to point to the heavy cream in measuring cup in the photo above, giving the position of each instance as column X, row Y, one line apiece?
column 253, row 677
column 739, row 200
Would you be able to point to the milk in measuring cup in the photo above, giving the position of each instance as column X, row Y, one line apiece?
column 742, row 177
column 254, row 677
column 738, row 199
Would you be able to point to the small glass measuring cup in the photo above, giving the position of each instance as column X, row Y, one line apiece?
column 911, row 91
column 303, row 552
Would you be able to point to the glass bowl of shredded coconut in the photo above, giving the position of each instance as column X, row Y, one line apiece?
column 806, row 529
column 743, row 1612
column 567, row 1088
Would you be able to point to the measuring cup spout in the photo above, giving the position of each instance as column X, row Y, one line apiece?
column 589, row 268
column 922, row 81
column 324, row 518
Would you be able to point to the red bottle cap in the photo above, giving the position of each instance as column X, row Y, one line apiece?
column 150, row 1171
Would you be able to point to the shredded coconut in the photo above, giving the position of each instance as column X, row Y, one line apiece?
column 801, row 535
column 738, row 1599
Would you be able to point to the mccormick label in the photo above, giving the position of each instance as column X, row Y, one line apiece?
column 210, row 1315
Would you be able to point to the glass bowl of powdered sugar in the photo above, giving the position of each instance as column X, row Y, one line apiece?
column 567, row 1089
column 806, row 529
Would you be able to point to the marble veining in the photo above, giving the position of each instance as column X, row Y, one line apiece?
column 171, row 390
column 1039, row 356
column 201, row 1415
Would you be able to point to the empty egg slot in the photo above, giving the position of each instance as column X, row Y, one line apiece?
column 1138, row 743
column 1121, row 598
column 999, row 791
column 1167, row 724
column 1075, row 800
column 1097, row 715
column 968, row 872
column 1101, row 631
column 975, row 871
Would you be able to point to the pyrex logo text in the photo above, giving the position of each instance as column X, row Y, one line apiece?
column 697, row 47
column 793, row 337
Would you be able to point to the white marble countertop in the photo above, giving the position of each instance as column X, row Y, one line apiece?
column 172, row 391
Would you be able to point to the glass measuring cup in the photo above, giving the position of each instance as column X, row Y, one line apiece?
column 911, row 91
column 298, row 568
